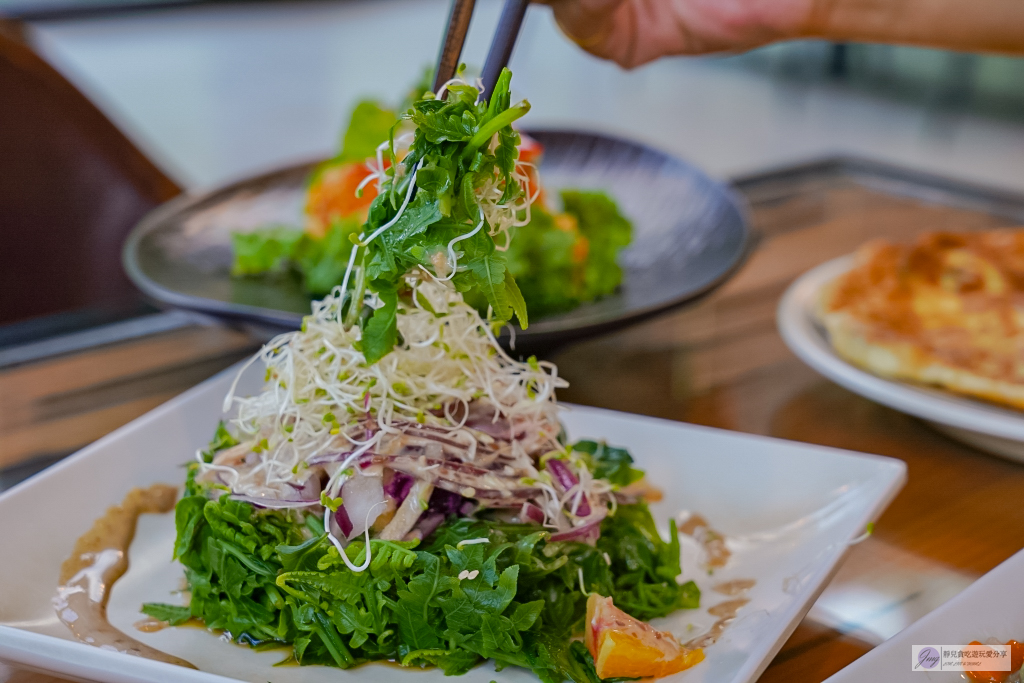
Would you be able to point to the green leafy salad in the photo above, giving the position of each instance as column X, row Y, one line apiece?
column 400, row 488
column 561, row 257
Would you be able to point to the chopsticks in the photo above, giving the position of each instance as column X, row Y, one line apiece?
column 454, row 38
column 502, row 44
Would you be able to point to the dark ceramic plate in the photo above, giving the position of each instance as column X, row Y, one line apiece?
column 690, row 233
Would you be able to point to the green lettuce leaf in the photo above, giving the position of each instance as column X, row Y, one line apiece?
column 369, row 125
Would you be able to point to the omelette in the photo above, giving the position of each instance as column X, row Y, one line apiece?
column 947, row 310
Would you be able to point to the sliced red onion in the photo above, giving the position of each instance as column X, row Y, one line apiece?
column 561, row 473
column 500, row 430
column 309, row 487
column 567, row 479
column 344, row 524
column 530, row 513
column 399, row 485
column 445, row 502
column 585, row 533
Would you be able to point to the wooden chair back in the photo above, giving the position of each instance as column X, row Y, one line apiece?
column 71, row 188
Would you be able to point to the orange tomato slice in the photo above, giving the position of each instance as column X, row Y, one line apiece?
column 333, row 195
column 1016, row 662
column 531, row 152
column 629, row 648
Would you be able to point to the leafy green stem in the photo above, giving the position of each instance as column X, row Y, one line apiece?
column 493, row 126
column 358, row 292
column 331, row 641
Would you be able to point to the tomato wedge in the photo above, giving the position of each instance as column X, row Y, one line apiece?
column 1016, row 662
column 629, row 648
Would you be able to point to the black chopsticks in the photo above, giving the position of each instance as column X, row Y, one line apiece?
column 502, row 45
column 454, row 38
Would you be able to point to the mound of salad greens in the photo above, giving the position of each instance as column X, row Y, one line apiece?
column 271, row 578
column 401, row 489
column 557, row 264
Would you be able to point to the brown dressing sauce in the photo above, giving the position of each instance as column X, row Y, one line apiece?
column 150, row 625
column 726, row 613
column 713, row 542
column 734, row 587
column 727, row 609
column 99, row 559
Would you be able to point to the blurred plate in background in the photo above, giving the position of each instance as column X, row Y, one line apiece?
column 983, row 425
column 690, row 234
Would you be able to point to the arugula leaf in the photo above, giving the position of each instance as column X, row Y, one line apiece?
column 188, row 516
column 413, row 608
column 420, row 215
column 172, row 614
column 489, row 272
column 443, row 126
column 526, row 614
column 515, row 300
column 381, row 330
column 606, row 462
column 453, row 663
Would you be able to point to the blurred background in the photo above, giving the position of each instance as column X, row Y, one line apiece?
column 213, row 92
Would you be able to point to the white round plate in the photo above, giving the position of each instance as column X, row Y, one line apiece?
column 982, row 425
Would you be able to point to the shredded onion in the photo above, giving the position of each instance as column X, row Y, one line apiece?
column 588, row 532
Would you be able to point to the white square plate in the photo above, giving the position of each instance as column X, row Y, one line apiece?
column 992, row 607
column 788, row 510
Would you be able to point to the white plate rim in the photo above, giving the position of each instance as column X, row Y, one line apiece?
column 80, row 661
column 805, row 338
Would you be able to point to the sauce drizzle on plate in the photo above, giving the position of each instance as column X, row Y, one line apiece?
column 714, row 543
column 726, row 611
column 99, row 559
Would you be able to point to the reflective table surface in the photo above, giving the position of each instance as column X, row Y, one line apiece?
column 719, row 362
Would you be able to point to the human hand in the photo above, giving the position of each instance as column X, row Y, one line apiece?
column 634, row 32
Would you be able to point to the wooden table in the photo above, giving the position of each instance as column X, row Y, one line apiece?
column 719, row 362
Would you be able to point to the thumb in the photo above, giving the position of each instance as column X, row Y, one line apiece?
column 592, row 24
